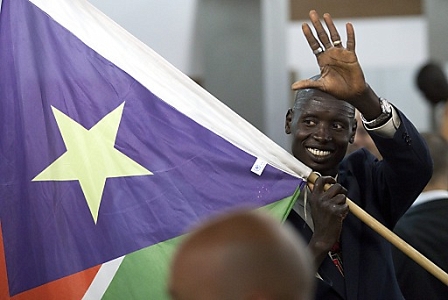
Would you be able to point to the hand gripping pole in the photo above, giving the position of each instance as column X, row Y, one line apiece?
column 390, row 236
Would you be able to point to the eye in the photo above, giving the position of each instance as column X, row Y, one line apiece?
column 338, row 126
column 309, row 121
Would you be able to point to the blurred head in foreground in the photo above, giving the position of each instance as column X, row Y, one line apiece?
column 241, row 255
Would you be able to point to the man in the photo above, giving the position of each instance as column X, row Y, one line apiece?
column 425, row 227
column 241, row 255
column 353, row 261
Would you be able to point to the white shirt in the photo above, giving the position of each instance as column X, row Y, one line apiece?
column 430, row 196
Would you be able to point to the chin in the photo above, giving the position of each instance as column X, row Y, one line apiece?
column 324, row 170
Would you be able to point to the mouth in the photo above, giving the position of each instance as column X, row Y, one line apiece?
column 320, row 154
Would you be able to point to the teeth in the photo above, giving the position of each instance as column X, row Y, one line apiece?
column 318, row 152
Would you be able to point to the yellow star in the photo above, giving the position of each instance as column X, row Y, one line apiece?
column 91, row 157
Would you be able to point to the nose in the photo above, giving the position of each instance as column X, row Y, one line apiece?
column 322, row 133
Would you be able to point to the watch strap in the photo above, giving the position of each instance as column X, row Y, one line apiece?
column 386, row 114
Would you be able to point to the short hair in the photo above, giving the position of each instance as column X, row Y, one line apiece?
column 302, row 95
column 432, row 82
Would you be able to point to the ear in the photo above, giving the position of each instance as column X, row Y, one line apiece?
column 288, row 121
column 352, row 136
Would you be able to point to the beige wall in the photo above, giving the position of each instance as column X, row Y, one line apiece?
column 355, row 8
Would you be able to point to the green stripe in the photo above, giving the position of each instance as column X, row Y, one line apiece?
column 281, row 209
column 143, row 274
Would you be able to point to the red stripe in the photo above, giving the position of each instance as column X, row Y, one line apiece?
column 4, row 288
column 70, row 287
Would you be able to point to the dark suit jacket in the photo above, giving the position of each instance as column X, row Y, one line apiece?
column 425, row 227
column 385, row 189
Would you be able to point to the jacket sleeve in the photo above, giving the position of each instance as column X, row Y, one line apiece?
column 404, row 171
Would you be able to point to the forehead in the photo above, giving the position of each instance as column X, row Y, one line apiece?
column 317, row 103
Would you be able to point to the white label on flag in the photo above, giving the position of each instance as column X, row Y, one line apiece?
column 258, row 167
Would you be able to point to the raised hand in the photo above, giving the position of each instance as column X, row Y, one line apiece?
column 341, row 74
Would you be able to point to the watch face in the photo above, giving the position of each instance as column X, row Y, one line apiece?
column 385, row 106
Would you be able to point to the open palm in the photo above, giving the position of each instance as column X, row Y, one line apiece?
column 341, row 74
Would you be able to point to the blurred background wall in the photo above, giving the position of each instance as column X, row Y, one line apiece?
column 247, row 53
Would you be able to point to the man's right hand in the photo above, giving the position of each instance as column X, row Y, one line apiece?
column 328, row 210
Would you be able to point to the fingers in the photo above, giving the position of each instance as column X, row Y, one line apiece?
column 312, row 41
column 306, row 83
column 322, row 36
column 337, row 189
column 334, row 191
column 345, row 209
column 322, row 181
column 339, row 206
column 321, row 33
column 334, row 34
column 341, row 210
column 350, row 37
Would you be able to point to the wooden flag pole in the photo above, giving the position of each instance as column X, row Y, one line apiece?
column 391, row 236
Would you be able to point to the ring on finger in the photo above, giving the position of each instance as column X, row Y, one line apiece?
column 337, row 43
column 318, row 51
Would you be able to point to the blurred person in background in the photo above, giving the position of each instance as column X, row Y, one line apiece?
column 425, row 227
column 433, row 84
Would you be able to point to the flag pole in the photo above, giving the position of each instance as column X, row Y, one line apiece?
column 390, row 236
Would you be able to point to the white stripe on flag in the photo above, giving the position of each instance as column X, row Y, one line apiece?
column 103, row 279
column 115, row 44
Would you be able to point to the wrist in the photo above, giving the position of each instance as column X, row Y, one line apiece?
column 318, row 251
column 319, row 247
column 385, row 115
column 367, row 103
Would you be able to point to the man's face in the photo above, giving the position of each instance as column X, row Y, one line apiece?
column 322, row 127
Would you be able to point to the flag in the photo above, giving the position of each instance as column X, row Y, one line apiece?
column 109, row 154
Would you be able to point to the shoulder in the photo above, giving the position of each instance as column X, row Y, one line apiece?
column 357, row 171
column 357, row 161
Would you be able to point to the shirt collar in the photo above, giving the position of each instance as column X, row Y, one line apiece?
column 429, row 196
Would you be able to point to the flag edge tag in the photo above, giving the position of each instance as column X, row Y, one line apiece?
column 258, row 166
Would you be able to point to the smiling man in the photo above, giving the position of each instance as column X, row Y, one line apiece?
column 322, row 126
column 353, row 261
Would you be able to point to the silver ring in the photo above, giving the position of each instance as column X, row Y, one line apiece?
column 337, row 43
column 318, row 51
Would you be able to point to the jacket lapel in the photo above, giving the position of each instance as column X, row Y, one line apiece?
column 350, row 241
column 331, row 276
column 328, row 272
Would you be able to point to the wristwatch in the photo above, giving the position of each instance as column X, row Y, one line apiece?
column 386, row 114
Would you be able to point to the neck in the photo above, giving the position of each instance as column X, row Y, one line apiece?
column 440, row 184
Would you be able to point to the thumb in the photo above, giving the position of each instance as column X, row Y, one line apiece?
column 306, row 83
